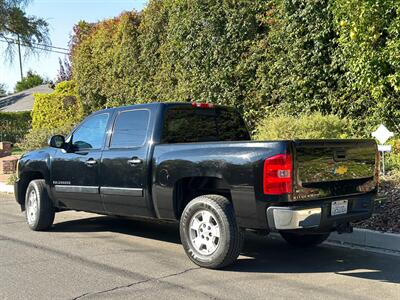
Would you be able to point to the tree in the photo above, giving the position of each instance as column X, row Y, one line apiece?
column 29, row 81
column 18, row 28
column 3, row 91
column 64, row 71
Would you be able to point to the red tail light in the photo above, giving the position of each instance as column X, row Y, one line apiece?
column 278, row 171
column 203, row 105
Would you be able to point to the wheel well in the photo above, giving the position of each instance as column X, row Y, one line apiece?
column 24, row 181
column 188, row 188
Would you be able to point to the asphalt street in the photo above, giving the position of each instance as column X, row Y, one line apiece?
column 87, row 256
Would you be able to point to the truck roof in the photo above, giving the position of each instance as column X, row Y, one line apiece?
column 149, row 105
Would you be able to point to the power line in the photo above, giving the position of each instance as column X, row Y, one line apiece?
column 37, row 46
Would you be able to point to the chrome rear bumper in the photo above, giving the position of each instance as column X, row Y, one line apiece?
column 285, row 218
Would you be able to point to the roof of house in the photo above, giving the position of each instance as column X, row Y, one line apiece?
column 22, row 101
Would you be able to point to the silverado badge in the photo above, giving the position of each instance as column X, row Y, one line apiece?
column 341, row 170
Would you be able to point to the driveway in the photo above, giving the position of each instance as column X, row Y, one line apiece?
column 87, row 256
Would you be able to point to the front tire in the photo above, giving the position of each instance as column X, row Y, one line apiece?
column 39, row 209
column 209, row 232
column 304, row 240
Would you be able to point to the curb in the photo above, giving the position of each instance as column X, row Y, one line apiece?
column 367, row 239
column 6, row 188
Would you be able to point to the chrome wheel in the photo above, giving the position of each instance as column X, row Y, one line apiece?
column 32, row 208
column 204, row 232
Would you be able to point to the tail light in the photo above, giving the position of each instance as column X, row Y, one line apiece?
column 202, row 105
column 278, row 171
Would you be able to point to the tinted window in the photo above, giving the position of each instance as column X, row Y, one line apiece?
column 187, row 124
column 130, row 129
column 90, row 135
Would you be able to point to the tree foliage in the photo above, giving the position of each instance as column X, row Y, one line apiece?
column 16, row 26
column 29, row 81
column 3, row 90
column 369, row 42
column 111, row 48
column 295, row 68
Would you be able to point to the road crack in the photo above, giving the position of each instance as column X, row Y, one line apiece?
column 136, row 283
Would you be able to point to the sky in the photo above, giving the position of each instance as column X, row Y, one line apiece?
column 61, row 16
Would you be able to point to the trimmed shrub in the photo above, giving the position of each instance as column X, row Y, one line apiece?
column 14, row 125
column 314, row 126
column 60, row 109
column 38, row 138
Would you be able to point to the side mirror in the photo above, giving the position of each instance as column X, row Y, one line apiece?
column 57, row 141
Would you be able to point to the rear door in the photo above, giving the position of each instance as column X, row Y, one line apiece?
column 124, row 162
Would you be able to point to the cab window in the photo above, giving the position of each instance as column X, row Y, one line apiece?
column 91, row 133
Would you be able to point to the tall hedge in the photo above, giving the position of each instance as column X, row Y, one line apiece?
column 301, row 56
column 369, row 43
column 172, row 51
column 105, row 62
column 60, row 109
column 14, row 125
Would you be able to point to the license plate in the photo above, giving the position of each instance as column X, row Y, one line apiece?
column 339, row 207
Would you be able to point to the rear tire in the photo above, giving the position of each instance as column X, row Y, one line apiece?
column 304, row 240
column 209, row 232
column 39, row 209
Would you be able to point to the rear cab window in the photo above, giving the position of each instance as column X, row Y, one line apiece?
column 188, row 124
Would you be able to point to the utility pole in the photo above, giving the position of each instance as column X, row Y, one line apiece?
column 19, row 55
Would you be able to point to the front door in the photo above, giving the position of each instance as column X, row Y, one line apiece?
column 124, row 165
column 75, row 174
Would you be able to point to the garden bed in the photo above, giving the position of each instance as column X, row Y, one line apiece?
column 387, row 213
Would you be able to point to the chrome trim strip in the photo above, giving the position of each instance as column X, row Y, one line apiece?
column 76, row 189
column 135, row 192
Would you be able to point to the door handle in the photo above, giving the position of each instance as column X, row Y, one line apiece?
column 134, row 161
column 90, row 162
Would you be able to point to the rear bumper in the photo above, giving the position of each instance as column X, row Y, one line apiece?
column 316, row 215
column 284, row 218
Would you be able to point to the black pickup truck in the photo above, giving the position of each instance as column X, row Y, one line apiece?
column 195, row 163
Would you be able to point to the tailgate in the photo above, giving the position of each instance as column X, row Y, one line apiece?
column 328, row 168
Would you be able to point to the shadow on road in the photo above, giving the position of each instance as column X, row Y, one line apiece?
column 260, row 254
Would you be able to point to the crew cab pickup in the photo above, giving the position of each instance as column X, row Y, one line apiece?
column 195, row 163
